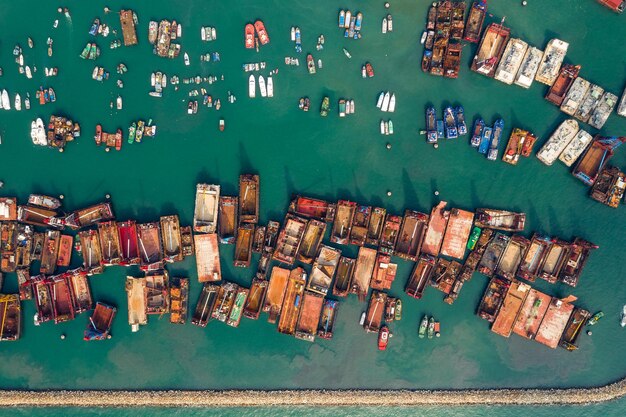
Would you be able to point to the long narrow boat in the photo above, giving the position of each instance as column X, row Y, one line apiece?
column 10, row 313
column 61, row 299
column 554, row 322
column 475, row 21
column 557, row 256
column 38, row 216
column 311, row 241
column 205, row 304
column 327, row 319
column 576, row 147
column 528, row 69
column 457, row 233
column 308, row 321
column 411, row 235
column 276, row 293
column 420, row 276
column 343, row 279
column 444, row 275
column 292, row 303
column 472, row 260
column 157, row 292
column 256, row 298
column 574, row 329
column 493, row 298
column 589, row 103
column 263, row 265
column 43, row 299
column 365, row 262
column 436, row 228
column 289, row 239
column 271, row 237
column 236, row 312
column 66, row 244
column 375, row 226
column 179, row 296
column 596, row 158
column 227, row 220
column 129, row 243
column 500, row 219
column 258, row 240
column 360, row 222
column 534, row 257
column 511, row 306
column 312, row 208
column 206, row 208
column 207, row 258
column 90, row 215
column 8, row 244
column 512, row 257
column 551, row 63
column 610, row 187
column 50, row 252
column 24, row 246
column 343, row 222
column 100, row 322
column 186, row 240
column 603, row 110
column 490, row 49
column 81, row 294
column 579, row 253
column 243, row 245
column 136, row 293
column 249, row 198
column 150, row 249
column 24, row 283
column 557, row 92
column 323, row 270
column 110, row 248
column 375, row 311
column 389, row 235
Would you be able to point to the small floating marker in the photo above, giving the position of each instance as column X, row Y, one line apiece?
column 1, row 184
column 62, row 336
column 437, row 334
column 388, row 193
column 589, row 333
column 387, row 5
column 524, row 3
column 61, row 150
column 107, row 149
column 436, row 146
column 107, row 196
column 109, row 336
column 436, row 192
column 61, row 197
column 60, row 10
column 388, row 145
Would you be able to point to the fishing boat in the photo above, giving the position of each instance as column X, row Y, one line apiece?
column 243, row 245
column 346, row 53
column 451, row 130
column 249, row 198
column 375, row 312
column 575, row 148
column 431, row 128
column 151, row 249
column 498, row 127
column 492, row 299
column 490, row 49
column 479, row 125
column 90, row 215
column 311, row 241
column 227, row 219
column 574, row 328
column 256, row 298
column 383, row 338
column 389, row 234
column 342, row 18
column 579, row 253
column 171, row 239
column 91, row 252
column 310, row 63
column 44, row 201
column 603, row 110
column 475, row 21
column 575, row 96
column 557, row 92
column 289, row 239
column 128, row 242
column 110, row 245
column 557, row 143
column 343, row 222
column 207, row 257
column 344, row 274
column 534, row 257
column 261, row 32
column 325, row 107
column 100, row 322
column 237, row 309
column 459, row 114
column 551, row 62
column 511, row 61
column 205, row 305
column 411, row 235
column 610, row 187
column 500, row 220
column 179, row 293
column 589, row 103
column 10, row 311
column 262, row 87
column 251, row 86
column 423, row 327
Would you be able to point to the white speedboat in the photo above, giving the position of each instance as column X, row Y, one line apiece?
column 262, row 88
column 382, row 127
column 385, row 105
column 213, row 34
column 33, row 132
column 384, row 25
column 270, row 86
column 18, row 102
column 164, row 81
column 392, row 103
column 153, row 79
column 293, row 33
column 203, row 33
column 28, row 72
column 40, row 132
column 6, row 104
column 251, row 86
column 186, row 57
column 351, row 106
column 623, row 322
column 381, row 97
column 119, row 102
column 27, row 102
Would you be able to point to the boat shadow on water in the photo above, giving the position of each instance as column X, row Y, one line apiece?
column 410, row 194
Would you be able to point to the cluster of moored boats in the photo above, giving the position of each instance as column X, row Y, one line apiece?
column 444, row 33
column 60, row 131
column 208, row 33
column 109, row 140
column 345, row 107
column 351, row 24
column 255, row 35
column 450, row 127
column 486, row 139
column 265, row 89
column 161, row 34
column 386, row 102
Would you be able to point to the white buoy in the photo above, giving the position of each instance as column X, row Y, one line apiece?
column 388, row 193
column 436, row 192
column 62, row 336
column 61, row 197
column 388, row 145
column 524, row 3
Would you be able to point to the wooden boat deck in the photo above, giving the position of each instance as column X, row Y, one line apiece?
column 306, row 328
column 292, row 303
column 128, row 27
column 276, row 293
column 503, row 324
column 531, row 314
column 207, row 258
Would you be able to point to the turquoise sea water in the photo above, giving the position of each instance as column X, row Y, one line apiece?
column 329, row 158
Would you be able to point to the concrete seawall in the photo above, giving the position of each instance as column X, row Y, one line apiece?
column 254, row 398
